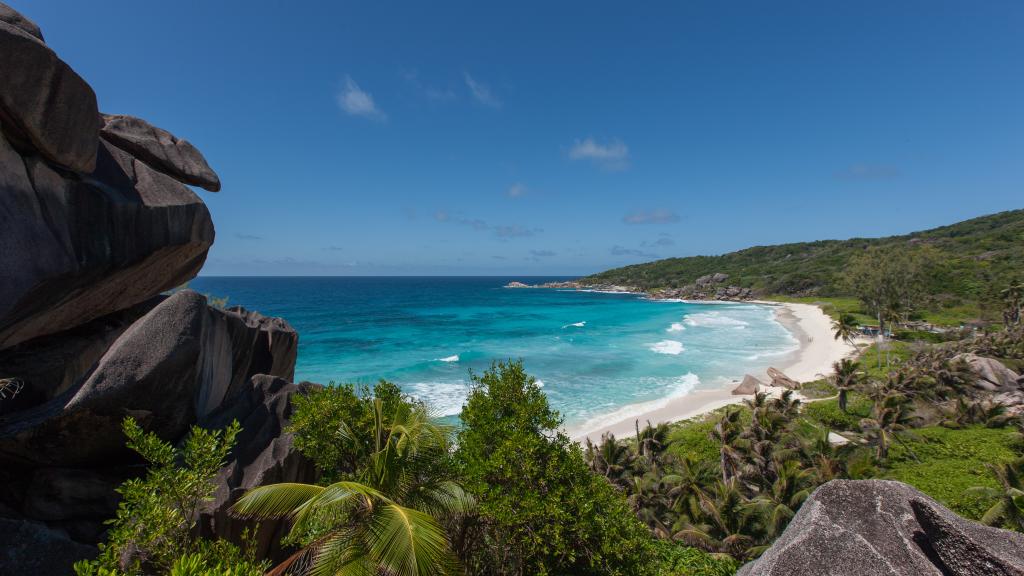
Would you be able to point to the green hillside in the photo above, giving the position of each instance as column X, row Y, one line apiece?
column 972, row 261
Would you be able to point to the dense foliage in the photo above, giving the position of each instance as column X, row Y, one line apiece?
column 153, row 530
column 973, row 258
column 541, row 510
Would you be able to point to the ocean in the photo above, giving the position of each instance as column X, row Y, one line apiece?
column 596, row 354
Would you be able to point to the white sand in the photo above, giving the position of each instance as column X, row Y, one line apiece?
column 813, row 360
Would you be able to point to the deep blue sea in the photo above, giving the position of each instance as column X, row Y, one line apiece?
column 595, row 353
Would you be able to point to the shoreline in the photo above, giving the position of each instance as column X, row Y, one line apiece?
column 818, row 349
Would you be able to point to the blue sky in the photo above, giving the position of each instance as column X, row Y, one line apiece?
column 562, row 137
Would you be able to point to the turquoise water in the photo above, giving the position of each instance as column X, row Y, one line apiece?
column 595, row 353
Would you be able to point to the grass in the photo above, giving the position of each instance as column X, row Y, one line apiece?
column 828, row 414
column 874, row 364
column 818, row 389
column 677, row 560
column 833, row 306
column 951, row 461
column 693, row 437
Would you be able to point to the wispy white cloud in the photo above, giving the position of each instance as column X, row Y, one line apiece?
column 503, row 232
column 623, row 251
column 611, row 155
column 427, row 91
column 248, row 237
column 357, row 102
column 516, row 190
column 481, row 92
column 657, row 216
column 663, row 241
column 542, row 253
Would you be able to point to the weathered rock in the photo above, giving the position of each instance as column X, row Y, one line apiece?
column 51, row 365
column 880, row 527
column 77, row 249
column 72, row 493
column 44, row 103
column 264, row 454
column 781, row 380
column 749, row 385
column 719, row 277
column 14, row 18
column 33, row 548
column 160, row 149
column 992, row 374
column 173, row 366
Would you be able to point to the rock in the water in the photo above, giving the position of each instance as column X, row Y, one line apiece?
column 779, row 379
column 881, row 527
column 76, row 249
column 14, row 18
column 33, row 548
column 160, row 150
column 44, row 103
column 749, row 385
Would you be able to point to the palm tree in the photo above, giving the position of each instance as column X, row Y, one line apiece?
column 727, row 432
column 610, row 459
column 779, row 503
column 1008, row 510
column 1013, row 300
column 385, row 521
column 725, row 522
column 846, row 375
column 889, row 416
column 845, row 328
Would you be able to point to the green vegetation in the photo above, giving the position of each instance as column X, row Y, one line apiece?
column 541, row 510
column 153, row 530
column 944, row 463
column 959, row 267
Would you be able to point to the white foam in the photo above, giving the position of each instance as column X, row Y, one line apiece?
column 676, row 327
column 714, row 319
column 576, row 325
column 673, row 347
column 682, row 386
column 442, row 398
column 452, row 358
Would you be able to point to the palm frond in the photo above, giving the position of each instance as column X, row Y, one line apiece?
column 275, row 500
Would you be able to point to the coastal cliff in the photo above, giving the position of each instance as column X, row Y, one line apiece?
column 99, row 222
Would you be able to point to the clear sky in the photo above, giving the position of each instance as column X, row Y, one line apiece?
column 562, row 137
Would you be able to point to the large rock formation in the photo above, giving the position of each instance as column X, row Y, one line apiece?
column 98, row 222
column 880, row 527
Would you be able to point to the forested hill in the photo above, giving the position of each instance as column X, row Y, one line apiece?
column 973, row 259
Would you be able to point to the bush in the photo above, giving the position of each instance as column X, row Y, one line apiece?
column 153, row 530
column 542, row 511
column 678, row 560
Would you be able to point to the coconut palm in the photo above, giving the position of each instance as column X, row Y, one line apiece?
column 1008, row 509
column 890, row 416
column 1013, row 301
column 727, row 433
column 846, row 376
column 726, row 522
column 845, row 328
column 779, row 503
column 611, row 459
column 384, row 522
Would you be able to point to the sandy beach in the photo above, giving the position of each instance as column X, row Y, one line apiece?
column 818, row 350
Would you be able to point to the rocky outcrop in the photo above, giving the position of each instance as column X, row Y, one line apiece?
column 160, row 150
column 43, row 103
column 879, row 527
column 779, row 379
column 264, row 455
column 88, row 245
column 749, row 385
column 992, row 374
column 9, row 16
column 707, row 287
column 98, row 223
